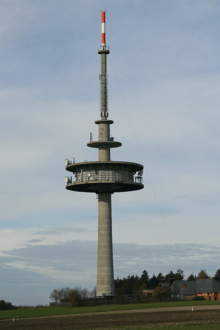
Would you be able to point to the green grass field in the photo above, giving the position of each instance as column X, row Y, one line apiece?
column 51, row 311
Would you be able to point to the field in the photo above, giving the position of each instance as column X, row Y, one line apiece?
column 180, row 316
column 53, row 311
column 122, row 321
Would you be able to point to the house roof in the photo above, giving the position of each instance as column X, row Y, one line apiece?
column 183, row 287
column 164, row 284
column 207, row 285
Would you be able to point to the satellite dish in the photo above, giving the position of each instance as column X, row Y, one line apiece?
column 67, row 162
column 68, row 180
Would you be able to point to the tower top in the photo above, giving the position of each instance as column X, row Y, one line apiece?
column 103, row 39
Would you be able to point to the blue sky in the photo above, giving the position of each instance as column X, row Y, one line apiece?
column 164, row 76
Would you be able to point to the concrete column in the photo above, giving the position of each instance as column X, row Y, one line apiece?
column 105, row 271
column 104, row 135
column 104, row 155
column 104, row 131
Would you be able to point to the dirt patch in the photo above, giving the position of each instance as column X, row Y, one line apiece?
column 112, row 320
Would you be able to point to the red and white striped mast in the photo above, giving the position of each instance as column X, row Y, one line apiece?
column 103, row 28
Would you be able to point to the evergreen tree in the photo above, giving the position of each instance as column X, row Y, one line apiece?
column 160, row 278
column 217, row 275
column 170, row 277
column 153, row 282
column 144, row 279
column 203, row 275
column 179, row 274
column 191, row 277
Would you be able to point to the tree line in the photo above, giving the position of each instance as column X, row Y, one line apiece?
column 6, row 305
column 74, row 295
column 131, row 283
column 128, row 285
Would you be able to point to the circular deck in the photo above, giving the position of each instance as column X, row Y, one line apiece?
column 104, row 187
column 104, row 121
column 108, row 164
column 104, row 144
column 105, row 177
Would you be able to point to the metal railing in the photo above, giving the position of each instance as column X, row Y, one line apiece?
column 104, row 176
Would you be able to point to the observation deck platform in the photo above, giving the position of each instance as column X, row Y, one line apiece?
column 105, row 177
column 104, row 144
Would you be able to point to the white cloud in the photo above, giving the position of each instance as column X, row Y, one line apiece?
column 74, row 262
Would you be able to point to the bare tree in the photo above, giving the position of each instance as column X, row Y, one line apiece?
column 93, row 292
column 55, row 295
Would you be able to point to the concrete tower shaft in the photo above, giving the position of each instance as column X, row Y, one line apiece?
column 105, row 270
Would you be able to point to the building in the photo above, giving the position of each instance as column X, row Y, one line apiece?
column 183, row 289
column 104, row 177
column 207, row 288
column 147, row 293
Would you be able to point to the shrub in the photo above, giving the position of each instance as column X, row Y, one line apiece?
column 161, row 292
column 198, row 298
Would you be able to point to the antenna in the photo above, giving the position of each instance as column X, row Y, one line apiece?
column 91, row 137
column 67, row 162
column 103, row 28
